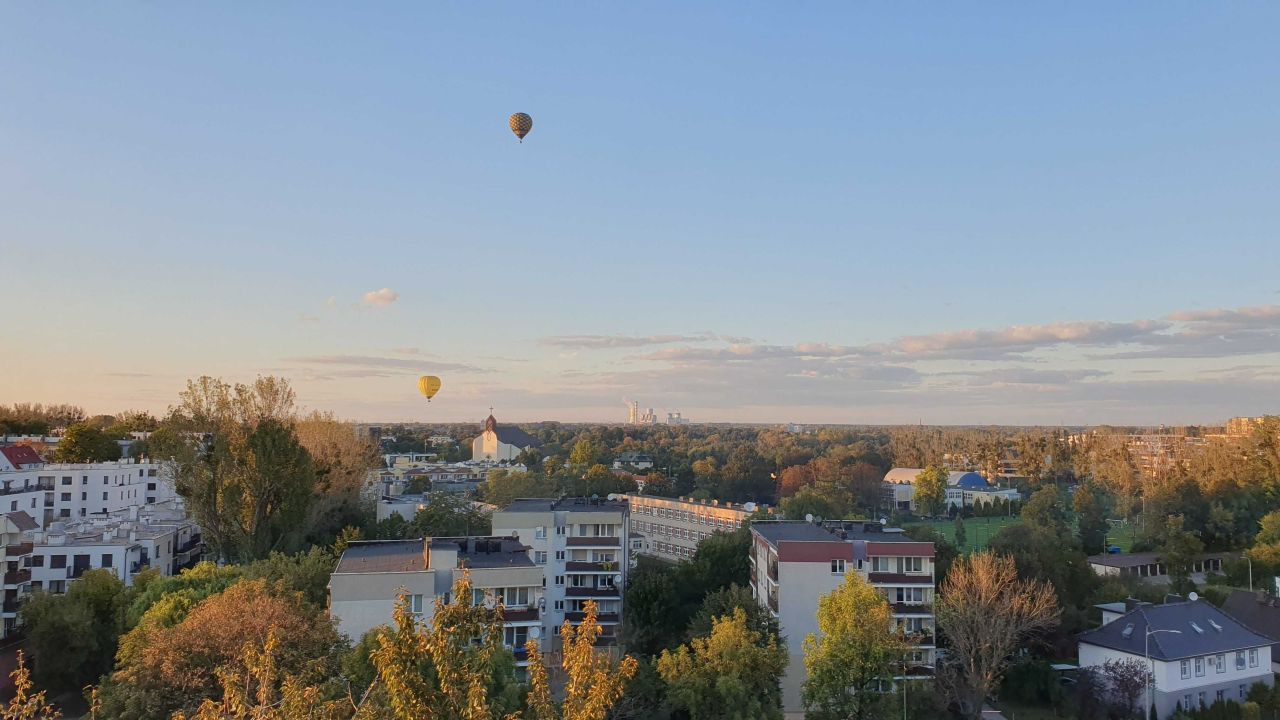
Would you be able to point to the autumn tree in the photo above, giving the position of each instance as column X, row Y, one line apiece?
column 857, row 647
column 467, row 670
column 237, row 461
column 930, row 490
column 987, row 612
column 25, row 704
column 594, row 682
column 83, row 442
column 342, row 459
column 1127, row 681
column 733, row 673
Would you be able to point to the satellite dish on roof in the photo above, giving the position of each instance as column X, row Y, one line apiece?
column 535, row 632
column 1193, row 596
column 808, row 517
column 617, row 578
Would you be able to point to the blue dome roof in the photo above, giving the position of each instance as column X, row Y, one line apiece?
column 971, row 481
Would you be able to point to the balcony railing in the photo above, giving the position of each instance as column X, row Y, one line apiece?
column 772, row 571
column 46, row 486
column 570, row 591
column 773, row 602
column 12, row 605
column 75, row 571
column 912, row 609
column 17, row 577
column 899, row 578
column 19, row 549
column 593, row 541
column 600, row 617
column 519, row 614
column 138, row 565
column 580, row 566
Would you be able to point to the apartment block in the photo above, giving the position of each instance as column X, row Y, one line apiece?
column 17, row 574
column 583, row 547
column 372, row 575
column 125, row 542
column 673, row 527
column 50, row 492
column 794, row 563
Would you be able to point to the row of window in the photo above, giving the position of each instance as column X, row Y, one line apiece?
column 688, row 516
column 1199, row 699
column 882, row 564
column 1218, row 662
column 669, row 531
column 668, row 549
column 584, row 530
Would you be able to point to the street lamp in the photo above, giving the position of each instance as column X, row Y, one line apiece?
column 1151, row 672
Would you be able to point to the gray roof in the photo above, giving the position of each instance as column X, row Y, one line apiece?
column 776, row 531
column 486, row 552
column 382, row 556
column 543, row 505
column 1217, row 633
column 1255, row 611
column 1122, row 560
column 513, row 435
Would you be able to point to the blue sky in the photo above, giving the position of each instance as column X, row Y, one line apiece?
column 742, row 211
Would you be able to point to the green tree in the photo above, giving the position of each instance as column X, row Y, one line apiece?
column 1044, row 511
column 731, row 674
column 930, row 490
column 1179, row 552
column 1091, row 522
column 857, row 648
column 722, row 603
column 84, row 442
column 961, row 539
column 73, row 637
column 504, row 487
column 450, row 515
column 238, row 463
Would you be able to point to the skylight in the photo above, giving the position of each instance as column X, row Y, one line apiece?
column 1199, row 630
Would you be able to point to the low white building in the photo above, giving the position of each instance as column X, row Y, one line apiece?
column 964, row 489
column 126, row 543
column 1198, row 654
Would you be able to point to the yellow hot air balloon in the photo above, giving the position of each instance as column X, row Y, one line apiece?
column 520, row 124
column 429, row 385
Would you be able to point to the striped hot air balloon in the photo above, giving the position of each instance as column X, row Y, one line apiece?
column 520, row 124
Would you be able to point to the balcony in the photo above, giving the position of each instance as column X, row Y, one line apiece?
column 139, row 565
column 606, row 641
column 912, row 608
column 772, row 570
column 18, row 550
column 74, row 572
column 17, row 577
column 604, row 618
column 11, row 606
column 601, row 567
column 592, row 541
column 773, row 602
column 8, row 490
column 592, row 592
column 519, row 614
column 887, row 578
column 193, row 543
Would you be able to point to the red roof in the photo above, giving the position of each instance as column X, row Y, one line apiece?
column 21, row 455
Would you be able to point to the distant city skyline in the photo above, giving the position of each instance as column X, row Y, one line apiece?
column 828, row 214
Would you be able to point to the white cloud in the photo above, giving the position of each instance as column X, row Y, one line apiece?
column 381, row 298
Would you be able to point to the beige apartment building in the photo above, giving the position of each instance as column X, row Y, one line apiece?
column 673, row 527
column 794, row 563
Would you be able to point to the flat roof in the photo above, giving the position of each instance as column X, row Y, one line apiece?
column 486, row 552
column 576, row 504
column 1146, row 558
column 776, row 531
column 382, row 556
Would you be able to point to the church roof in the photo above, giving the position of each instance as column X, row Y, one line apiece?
column 510, row 434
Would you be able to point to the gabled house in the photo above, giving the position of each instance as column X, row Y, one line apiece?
column 1198, row 654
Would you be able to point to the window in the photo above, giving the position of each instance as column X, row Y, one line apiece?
column 879, row 564
column 107, row 559
column 1221, row 695
column 1200, row 695
column 1186, row 701
column 415, row 604
column 559, row 580
column 84, row 496
column 151, row 487
column 37, row 561
column 1243, row 690
column 837, row 566
column 515, row 637
column 57, row 561
column 540, row 533
column 560, row 606
column 1199, row 667
column 13, row 505
column 913, row 564
column 1239, row 659
column 66, row 497
column 540, row 557
column 104, row 496
column 66, row 480
column 1221, row 662
column 559, row 554
column 1253, row 657
column 1186, row 669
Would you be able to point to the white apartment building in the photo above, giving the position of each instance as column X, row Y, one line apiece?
column 17, row 573
column 794, row 563
column 1198, row 654
column 125, row 542
column 372, row 575
column 73, row 491
column 547, row 558
column 673, row 527
column 583, row 547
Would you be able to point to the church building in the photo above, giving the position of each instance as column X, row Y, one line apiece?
column 499, row 443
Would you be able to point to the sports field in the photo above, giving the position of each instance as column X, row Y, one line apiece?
column 978, row 531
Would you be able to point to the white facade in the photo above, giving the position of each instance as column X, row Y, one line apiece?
column 125, row 543
column 1195, row 681
column 673, row 527
column 73, row 491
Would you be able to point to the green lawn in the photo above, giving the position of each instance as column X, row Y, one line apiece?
column 978, row 531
